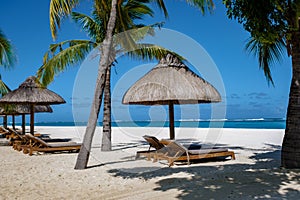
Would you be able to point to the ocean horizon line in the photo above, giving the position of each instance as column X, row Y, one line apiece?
column 178, row 120
column 260, row 123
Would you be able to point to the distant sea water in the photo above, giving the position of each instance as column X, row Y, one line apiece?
column 226, row 123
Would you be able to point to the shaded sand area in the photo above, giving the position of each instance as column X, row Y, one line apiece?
column 255, row 174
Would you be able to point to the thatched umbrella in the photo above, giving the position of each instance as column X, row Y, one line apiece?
column 32, row 93
column 19, row 109
column 168, row 83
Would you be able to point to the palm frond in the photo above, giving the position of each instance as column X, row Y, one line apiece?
column 137, row 9
column 7, row 55
column 101, row 12
column 267, row 53
column 129, row 11
column 148, row 52
column 95, row 30
column 56, row 48
column 161, row 5
column 70, row 56
column 296, row 7
column 58, row 10
column 4, row 89
column 202, row 5
column 128, row 40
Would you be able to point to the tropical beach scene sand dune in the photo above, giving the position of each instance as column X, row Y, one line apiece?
column 149, row 99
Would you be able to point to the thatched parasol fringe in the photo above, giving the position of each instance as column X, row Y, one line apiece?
column 175, row 83
column 168, row 83
column 32, row 93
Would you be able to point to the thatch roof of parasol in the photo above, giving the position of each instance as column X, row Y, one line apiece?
column 171, row 81
column 18, row 109
column 32, row 92
column 168, row 83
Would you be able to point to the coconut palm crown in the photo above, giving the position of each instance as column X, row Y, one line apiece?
column 274, row 26
column 73, row 52
column 7, row 55
column 59, row 9
column 7, row 59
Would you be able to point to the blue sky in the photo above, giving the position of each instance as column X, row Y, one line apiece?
column 247, row 94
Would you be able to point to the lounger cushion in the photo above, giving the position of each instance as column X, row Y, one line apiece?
column 205, row 150
column 64, row 144
column 193, row 146
column 201, row 150
column 58, row 144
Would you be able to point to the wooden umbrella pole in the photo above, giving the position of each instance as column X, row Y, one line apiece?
column 32, row 119
column 13, row 122
column 23, row 123
column 5, row 121
column 171, row 120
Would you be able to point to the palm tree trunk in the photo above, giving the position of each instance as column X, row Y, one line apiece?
column 85, row 149
column 106, row 135
column 290, row 156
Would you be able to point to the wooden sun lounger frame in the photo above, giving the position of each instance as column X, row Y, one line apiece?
column 177, row 152
column 173, row 151
column 13, row 135
column 37, row 145
column 5, row 132
column 154, row 143
column 16, row 138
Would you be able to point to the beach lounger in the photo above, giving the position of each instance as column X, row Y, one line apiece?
column 38, row 145
column 7, row 132
column 4, row 132
column 159, row 144
column 153, row 143
column 16, row 138
column 19, row 140
column 174, row 152
column 11, row 135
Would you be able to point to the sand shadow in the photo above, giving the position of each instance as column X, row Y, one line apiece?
column 262, row 180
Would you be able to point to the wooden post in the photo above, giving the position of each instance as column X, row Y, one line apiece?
column 23, row 123
column 32, row 119
column 13, row 122
column 171, row 120
column 5, row 121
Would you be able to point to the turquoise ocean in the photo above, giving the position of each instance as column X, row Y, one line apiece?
column 268, row 123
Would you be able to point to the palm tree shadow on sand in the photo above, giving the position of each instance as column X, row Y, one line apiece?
column 264, row 179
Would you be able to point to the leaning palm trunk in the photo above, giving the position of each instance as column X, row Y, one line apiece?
column 85, row 149
column 106, row 136
column 290, row 157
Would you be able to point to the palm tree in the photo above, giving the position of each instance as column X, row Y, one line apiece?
column 77, row 50
column 275, row 27
column 61, row 8
column 4, row 89
column 7, row 60
column 7, row 56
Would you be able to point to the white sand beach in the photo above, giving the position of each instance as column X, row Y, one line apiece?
column 255, row 174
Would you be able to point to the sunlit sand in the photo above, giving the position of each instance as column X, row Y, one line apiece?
column 255, row 174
